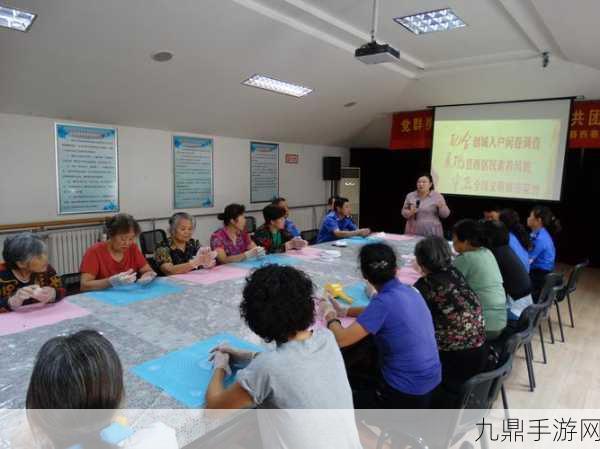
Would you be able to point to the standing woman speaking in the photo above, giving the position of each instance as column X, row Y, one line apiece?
column 423, row 209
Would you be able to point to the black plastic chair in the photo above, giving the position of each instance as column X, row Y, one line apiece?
column 547, row 299
column 508, row 350
column 71, row 283
column 149, row 240
column 478, row 394
column 552, row 280
column 529, row 321
column 310, row 235
column 525, row 329
column 473, row 402
column 569, row 289
column 250, row 224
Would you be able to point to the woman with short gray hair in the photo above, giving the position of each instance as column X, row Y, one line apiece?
column 456, row 311
column 25, row 276
column 181, row 253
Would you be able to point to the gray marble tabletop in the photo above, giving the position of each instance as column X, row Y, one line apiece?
column 149, row 329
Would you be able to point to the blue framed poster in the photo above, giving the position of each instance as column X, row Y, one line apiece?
column 87, row 174
column 264, row 171
column 193, row 167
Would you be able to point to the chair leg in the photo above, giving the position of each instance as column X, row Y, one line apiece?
column 560, row 325
column 529, row 367
column 551, row 330
column 570, row 310
column 529, row 345
column 504, row 402
column 543, row 344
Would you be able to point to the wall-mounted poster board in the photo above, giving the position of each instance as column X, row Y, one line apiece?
column 193, row 172
column 264, row 171
column 87, row 174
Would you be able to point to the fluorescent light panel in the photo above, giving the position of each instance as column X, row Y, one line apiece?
column 281, row 87
column 15, row 19
column 431, row 21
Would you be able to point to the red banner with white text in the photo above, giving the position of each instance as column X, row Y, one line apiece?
column 413, row 130
column 585, row 125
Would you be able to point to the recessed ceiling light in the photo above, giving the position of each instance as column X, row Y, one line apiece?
column 349, row 105
column 280, row 87
column 162, row 56
column 430, row 21
column 16, row 19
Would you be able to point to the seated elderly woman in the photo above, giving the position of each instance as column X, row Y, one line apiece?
column 118, row 261
column 25, row 276
column 181, row 253
column 456, row 311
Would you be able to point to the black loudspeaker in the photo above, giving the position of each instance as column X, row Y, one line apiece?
column 332, row 168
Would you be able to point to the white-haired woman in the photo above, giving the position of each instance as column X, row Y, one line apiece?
column 25, row 276
column 181, row 253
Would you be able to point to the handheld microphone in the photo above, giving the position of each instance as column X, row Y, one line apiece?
column 418, row 203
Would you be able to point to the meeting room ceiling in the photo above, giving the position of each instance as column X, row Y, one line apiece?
column 90, row 61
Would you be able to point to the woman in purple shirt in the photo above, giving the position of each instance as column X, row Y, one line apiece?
column 423, row 209
column 401, row 326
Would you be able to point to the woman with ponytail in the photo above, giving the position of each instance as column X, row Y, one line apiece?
column 542, row 255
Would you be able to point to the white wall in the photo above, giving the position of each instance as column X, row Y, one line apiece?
column 28, row 175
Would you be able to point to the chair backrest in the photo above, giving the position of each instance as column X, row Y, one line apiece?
column 552, row 280
column 476, row 397
column 250, row 224
column 149, row 240
column 525, row 325
column 71, row 283
column 575, row 275
column 481, row 390
column 310, row 235
column 510, row 346
column 548, row 301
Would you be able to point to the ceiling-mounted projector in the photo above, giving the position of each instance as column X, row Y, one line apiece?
column 374, row 53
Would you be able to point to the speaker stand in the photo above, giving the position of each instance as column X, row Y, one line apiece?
column 333, row 188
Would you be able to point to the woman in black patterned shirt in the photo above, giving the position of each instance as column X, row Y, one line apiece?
column 456, row 311
column 181, row 253
column 25, row 276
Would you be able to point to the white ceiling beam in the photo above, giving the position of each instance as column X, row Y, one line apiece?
column 326, row 17
column 526, row 17
column 462, row 64
column 314, row 32
column 522, row 12
column 529, row 23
